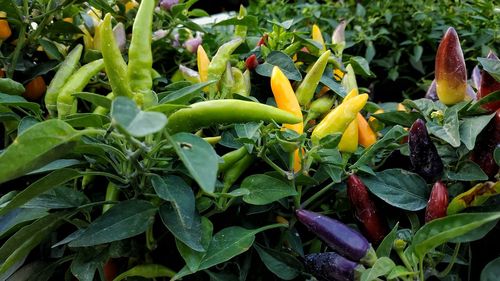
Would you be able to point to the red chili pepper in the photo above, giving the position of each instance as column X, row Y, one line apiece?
column 366, row 211
column 438, row 202
column 251, row 62
column 263, row 40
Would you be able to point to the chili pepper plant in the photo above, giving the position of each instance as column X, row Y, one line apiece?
column 253, row 159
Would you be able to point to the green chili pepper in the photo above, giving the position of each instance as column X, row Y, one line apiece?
column 292, row 48
column 11, row 87
column 227, row 83
column 237, row 169
column 68, row 66
column 140, row 57
column 240, row 85
column 320, row 106
column 218, row 64
column 66, row 103
column 241, row 30
column 306, row 89
column 103, row 110
column 248, row 82
column 211, row 112
column 116, row 68
column 112, row 193
column 230, row 158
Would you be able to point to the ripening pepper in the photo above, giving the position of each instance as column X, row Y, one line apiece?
column 35, row 89
column 203, row 62
column 332, row 266
column 338, row 38
column 287, row 100
column 349, row 79
column 451, row 73
column 318, row 37
column 488, row 85
column 189, row 74
column 338, row 236
column 366, row 136
column 337, row 120
column 376, row 124
column 349, row 140
column 438, row 202
column 307, row 87
column 5, row 31
column 365, row 209
column 251, row 62
column 423, row 153
column 487, row 141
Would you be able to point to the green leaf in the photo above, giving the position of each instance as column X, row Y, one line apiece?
column 442, row 230
column 399, row 188
column 26, row 123
column 361, row 67
column 471, row 127
column 385, row 247
column 27, row 238
column 184, row 95
column 283, row 265
column 95, row 99
column 382, row 267
column 449, row 131
column 265, row 189
column 475, row 235
column 402, row 118
column 37, row 146
column 492, row 66
column 328, row 81
column 50, row 181
column 179, row 215
column 19, row 216
column 284, row 62
column 250, row 21
column 491, row 271
column 58, row 198
column 86, row 262
column 56, row 165
column 127, row 116
column 394, row 135
column 190, row 256
column 199, row 157
column 85, row 120
column 399, row 271
column 147, row 271
column 124, row 220
column 467, row 171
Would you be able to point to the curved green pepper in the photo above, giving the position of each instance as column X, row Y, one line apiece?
column 306, row 89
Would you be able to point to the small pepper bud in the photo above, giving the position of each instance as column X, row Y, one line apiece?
column 192, row 44
column 438, row 202
column 488, row 85
column 168, row 4
column 451, row 74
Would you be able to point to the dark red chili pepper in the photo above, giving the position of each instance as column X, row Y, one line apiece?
column 251, row 62
column 338, row 236
column 263, row 40
column 110, row 270
column 366, row 211
column 438, row 202
column 488, row 140
column 423, row 153
column 489, row 85
column 332, row 266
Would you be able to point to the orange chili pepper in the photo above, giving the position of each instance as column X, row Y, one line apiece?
column 35, row 88
column 5, row 31
column 366, row 135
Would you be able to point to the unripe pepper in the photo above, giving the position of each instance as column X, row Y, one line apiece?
column 218, row 64
column 287, row 100
column 349, row 140
column 451, row 73
column 487, row 141
column 339, row 118
column 251, row 62
column 365, row 209
column 332, row 266
column 338, row 236
column 423, row 153
column 366, row 136
column 438, row 202
column 35, row 89
column 488, row 85
column 320, row 106
column 241, row 30
column 318, row 37
column 5, row 31
column 306, row 89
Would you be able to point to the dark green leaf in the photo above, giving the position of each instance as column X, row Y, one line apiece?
column 475, row 235
column 283, row 265
column 382, row 267
column 124, row 220
column 449, row 131
column 86, row 262
column 19, row 216
column 50, row 48
column 95, row 99
column 476, row 107
column 265, row 189
column 385, row 247
column 491, row 271
column 361, row 67
column 148, row 271
column 467, row 171
column 328, row 81
column 84, row 120
column 199, row 157
column 284, row 62
column 126, row 115
column 58, row 198
column 492, row 66
column 9, row 100
column 190, row 256
column 402, row 118
column 179, row 215
column 399, row 188
column 26, row 123
column 250, row 21
column 184, row 95
column 471, row 127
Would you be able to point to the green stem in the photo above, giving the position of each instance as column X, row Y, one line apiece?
column 452, row 262
column 317, row 195
column 421, row 268
column 404, row 259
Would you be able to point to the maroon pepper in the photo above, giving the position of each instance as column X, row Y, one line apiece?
column 332, row 266
column 423, row 153
column 365, row 209
column 338, row 236
column 251, row 62
column 488, row 140
column 488, row 85
column 438, row 202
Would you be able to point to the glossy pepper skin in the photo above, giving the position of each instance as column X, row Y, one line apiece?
column 251, row 62
column 349, row 141
column 203, row 61
column 338, row 236
column 332, row 266
column 423, row 153
column 488, row 85
column 318, row 37
column 438, row 202
column 365, row 209
column 5, row 31
column 488, row 140
column 451, row 73
column 366, row 136
column 306, row 89
column 35, row 89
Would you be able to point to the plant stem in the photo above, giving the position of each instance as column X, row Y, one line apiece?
column 452, row 262
column 317, row 195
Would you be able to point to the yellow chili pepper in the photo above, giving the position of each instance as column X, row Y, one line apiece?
column 5, row 31
column 375, row 124
column 203, row 62
column 316, row 36
column 130, row 5
column 339, row 118
column 367, row 136
column 287, row 100
column 349, row 140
